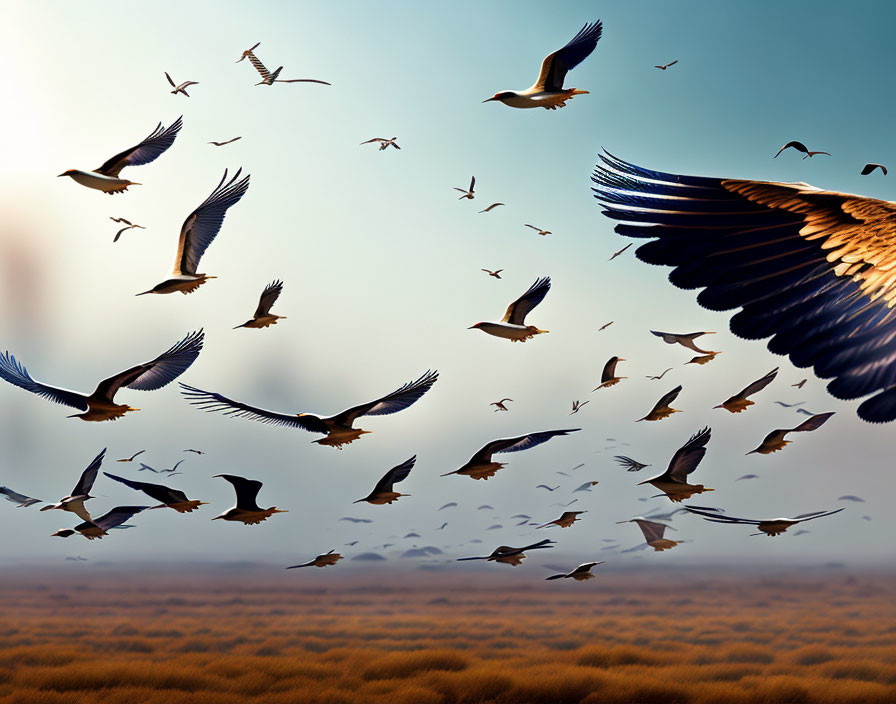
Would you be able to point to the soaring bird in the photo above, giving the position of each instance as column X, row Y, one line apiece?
column 605, row 326
column 132, row 457
column 580, row 573
column 674, row 481
column 468, row 193
column 263, row 316
column 747, row 476
column 74, row 502
column 268, row 78
column 703, row 358
column 653, row 533
column 147, row 468
column 851, row 497
column 105, row 178
column 198, row 452
column 246, row 510
column 586, row 486
column 567, row 518
column 663, row 67
column 790, row 405
column 198, row 232
column 337, row 429
column 683, row 339
column 325, row 560
column 490, row 208
column 800, row 383
column 15, row 497
column 99, row 527
column 630, row 464
column 547, row 488
column 499, row 405
column 513, row 325
column 662, row 409
column 659, row 376
column 539, row 230
column 775, row 441
column 480, row 465
column 169, row 498
column 510, row 556
column 800, row 147
column 868, row 168
column 577, row 406
column 128, row 226
column 769, row 526
column 100, row 405
column 608, row 375
column 450, row 504
column 548, row 91
column 494, row 274
column 809, row 268
column 621, row 251
column 182, row 88
column 229, row 141
column 383, row 142
column 384, row 492
column 739, row 402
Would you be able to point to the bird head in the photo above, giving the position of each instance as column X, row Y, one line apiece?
column 69, row 172
column 64, row 533
column 500, row 97
column 477, row 326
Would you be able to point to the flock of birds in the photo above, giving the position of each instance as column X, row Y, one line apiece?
column 699, row 225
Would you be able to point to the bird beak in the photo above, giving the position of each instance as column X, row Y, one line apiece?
column 58, row 175
column 236, row 328
column 719, row 406
column 144, row 293
column 488, row 100
column 359, row 501
column 621, row 522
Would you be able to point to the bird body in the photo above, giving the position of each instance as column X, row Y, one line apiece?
column 268, row 78
column 169, row 498
column 468, row 193
column 509, row 555
column 673, row 482
column 567, row 518
column 513, row 325
column 662, row 409
column 384, row 492
column 383, row 142
column 630, row 464
column 683, row 339
column 499, row 405
column 775, row 440
column 539, row 230
column 608, row 375
column 247, row 510
column 97, row 528
column 325, row 560
column 739, row 402
column 181, row 88
column 263, row 317
column 74, row 502
column 481, row 465
column 580, row 573
column 769, row 526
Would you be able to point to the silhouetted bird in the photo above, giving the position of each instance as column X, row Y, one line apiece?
column 653, row 533
column 868, row 168
column 608, row 375
column 509, row 555
column 325, row 560
column 775, row 441
column 580, row 573
column 740, row 402
column 674, row 481
column 567, row 518
column 662, row 409
column 683, row 339
column 99, row 527
column 169, row 498
column 800, row 147
column 15, row 497
column 383, row 492
column 246, row 510
column 480, row 465
column 769, row 526
column 630, row 464
column 263, row 316
column 513, row 325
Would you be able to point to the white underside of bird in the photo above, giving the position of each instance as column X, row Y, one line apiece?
column 98, row 182
column 538, row 97
column 516, row 333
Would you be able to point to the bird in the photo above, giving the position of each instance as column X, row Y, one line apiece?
column 662, row 409
column 485, row 507
column 580, row 573
column 747, row 476
column 246, row 53
column 608, row 375
column 442, row 527
column 683, row 339
column 630, row 464
column 800, row 147
column 99, row 527
column 384, row 492
column 800, row 384
column 128, row 226
column 100, row 405
column 146, row 467
column 74, row 502
column 268, row 78
column 510, row 556
column 495, row 274
column 325, row 560
column 15, row 497
column 868, row 168
column 790, row 405
column 540, row 231
column 851, row 497
column 384, row 143
column 169, row 498
column 337, row 429
column 769, row 526
column 548, row 91
column 355, row 520
column 812, row 267
column 659, row 376
column 450, row 504
column 775, row 441
column 806, row 412
column 229, row 141
column 198, row 232
column 663, row 67
column 480, row 465
column 490, row 208
column 354, row 542
column 616, row 254
column 585, row 487
column 674, row 481
column 132, row 457
column 172, row 469
column 577, row 406
column 263, row 316
column 246, row 510
column 605, row 326
column 653, row 533
column 182, row 88
column 468, row 193
column 740, row 401
column 105, row 178
column 549, row 488
column 567, row 518
column 513, row 325
column 198, row 452
column 703, row 359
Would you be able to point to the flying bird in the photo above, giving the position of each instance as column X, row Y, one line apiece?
column 800, row 384
column 662, row 409
column 489, row 208
column 605, row 326
column 263, row 316
column 450, row 504
column 769, row 526
column 616, row 254
column 246, row 510
column 325, row 560
column 198, row 232
column 146, row 467
column 128, row 226
column 172, row 469
column 99, row 527
column 15, row 497
column 229, row 141
column 659, row 376
column 747, row 476
column 384, row 492
column 510, row 556
column 132, row 457
column 513, row 325
column 580, row 573
column 549, row 488
column 868, row 168
column 851, row 497
column 74, row 502
column 790, row 405
column 608, row 375
column 577, row 406
column 683, row 339
column 480, row 465
column 496, row 273
column 100, row 405
column 355, row 520
column 541, row 232
column 740, row 401
column 663, row 67
column 567, row 518
column 383, row 142
column 674, row 481
column 585, row 487
column 198, row 452
column 800, row 147
column 246, row 53
column 775, row 441
column 168, row 498
column 268, row 78
column 338, row 430
column 182, row 88
column 468, row 193
column 630, row 464
column 105, row 178
column 548, row 91
column 704, row 358
column 653, row 533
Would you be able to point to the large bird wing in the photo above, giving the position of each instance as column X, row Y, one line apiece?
column 203, row 224
column 688, row 456
column 816, row 514
column 15, row 373
column 117, row 516
column 555, row 66
column 667, row 399
column 268, row 297
column 609, row 370
column 246, row 491
column 630, row 464
column 522, row 442
column 15, row 496
column 260, row 67
column 759, row 384
column 812, row 269
column 160, row 492
column 157, row 373
column 403, row 397
column 210, row 401
column 394, row 475
column 651, row 529
column 88, row 476
column 518, row 310
column 811, row 423
column 148, row 150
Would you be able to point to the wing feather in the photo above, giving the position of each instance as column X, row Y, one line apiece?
column 395, row 475
column 556, row 65
column 150, row 149
column 398, row 400
column 519, row 309
column 268, row 297
column 16, row 373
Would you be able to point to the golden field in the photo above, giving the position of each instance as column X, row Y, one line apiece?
column 333, row 637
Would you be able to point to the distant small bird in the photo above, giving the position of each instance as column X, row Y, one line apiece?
column 548, row 91
column 147, row 468
column 383, row 492
column 325, row 560
column 169, row 498
column 577, row 406
column 246, row 510
column 769, row 526
column 172, row 469
column 99, row 527
column 509, row 555
column 663, row 67
column 489, row 208
column 775, row 441
column 608, row 375
column 605, row 326
column 630, row 464
column 383, row 142
column 229, row 141
column 851, row 497
column 790, row 405
column 800, row 147
column 468, row 193
column 549, row 488
column 660, row 376
column 662, row 409
column 585, row 487
column 580, row 573
column 198, row 452
column 77, row 558
column 131, row 458
column 868, row 168
column 674, row 481
column 616, row 254
column 263, row 316
column 499, row 405
column 806, row 412
column 246, row 53
column 105, row 178
column 182, row 88
column 129, row 226
column 355, row 520
column 480, row 465
column 496, row 273
column 541, row 232
column 799, row 384
column 450, row 504
column 567, row 518
column 653, row 533
column 15, row 497
column 442, row 527
column 740, row 401
column 685, row 340
column 268, row 78
column 485, row 507
column 747, row 476
column 513, row 325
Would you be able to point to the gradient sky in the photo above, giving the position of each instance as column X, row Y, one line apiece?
column 381, row 265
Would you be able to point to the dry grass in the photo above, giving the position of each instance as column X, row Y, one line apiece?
column 622, row 639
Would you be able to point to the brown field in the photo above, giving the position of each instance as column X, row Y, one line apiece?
column 271, row 638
